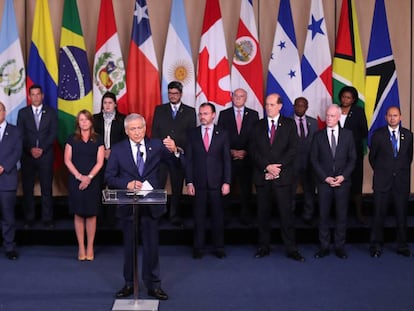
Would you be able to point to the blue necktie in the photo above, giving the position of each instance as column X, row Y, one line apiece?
column 140, row 160
column 394, row 144
column 174, row 112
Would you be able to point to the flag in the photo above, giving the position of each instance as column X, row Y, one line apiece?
column 213, row 79
column 178, row 62
column 42, row 68
column 284, row 75
column 108, row 67
column 143, row 79
column 12, row 71
column 316, row 65
column 75, row 85
column 381, row 80
column 246, row 71
column 348, row 62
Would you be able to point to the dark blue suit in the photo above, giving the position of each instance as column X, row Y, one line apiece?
column 10, row 153
column 43, row 138
column 325, row 165
column 120, row 170
column 208, row 171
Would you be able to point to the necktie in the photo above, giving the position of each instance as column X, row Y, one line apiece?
column 394, row 144
column 37, row 117
column 140, row 160
column 301, row 128
column 1, row 136
column 174, row 111
column 238, row 120
column 206, row 139
column 272, row 132
column 333, row 143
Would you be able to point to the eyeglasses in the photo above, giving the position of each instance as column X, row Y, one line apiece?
column 173, row 93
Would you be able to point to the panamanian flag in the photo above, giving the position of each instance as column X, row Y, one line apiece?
column 12, row 71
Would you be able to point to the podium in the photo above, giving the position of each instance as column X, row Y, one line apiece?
column 135, row 198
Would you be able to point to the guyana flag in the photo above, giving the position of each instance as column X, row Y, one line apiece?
column 75, row 86
column 348, row 62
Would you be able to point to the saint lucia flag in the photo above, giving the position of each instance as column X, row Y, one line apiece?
column 381, row 80
column 12, row 71
column 75, row 86
column 178, row 62
column 284, row 76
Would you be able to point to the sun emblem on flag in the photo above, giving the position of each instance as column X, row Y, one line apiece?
column 181, row 71
column 245, row 50
column 11, row 77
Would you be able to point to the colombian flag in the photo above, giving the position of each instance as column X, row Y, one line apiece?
column 75, row 86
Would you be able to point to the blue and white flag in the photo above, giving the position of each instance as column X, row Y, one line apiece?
column 178, row 63
column 284, row 75
column 12, row 71
column 381, row 87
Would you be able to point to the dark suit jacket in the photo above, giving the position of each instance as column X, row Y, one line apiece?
column 117, row 127
column 121, row 169
column 304, row 145
column 163, row 123
column 324, row 164
column 208, row 170
column 42, row 138
column 282, row 151
column 227, row 121
column 356, row 121
column 389, row 171
column 10, row 153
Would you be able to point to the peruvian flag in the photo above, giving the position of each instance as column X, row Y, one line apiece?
column 108, row 67
column 213, row 80
column 143, row 79
column 246, row 71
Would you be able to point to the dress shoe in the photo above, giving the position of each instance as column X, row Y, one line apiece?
column 197, row 254
column 295, row 255
column 177, row 222
column 375, row 253
column 49, row 225
column 81, row 257
column 158, row 293
column 261, row 252
column 219, row 253
column 89, row 258
column 404, row 252
column 323, row 252
column 12, row 255
column 28, row 224
column 340, row 253
column 125, row 291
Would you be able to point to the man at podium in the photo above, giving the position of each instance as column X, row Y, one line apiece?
column 134, row 165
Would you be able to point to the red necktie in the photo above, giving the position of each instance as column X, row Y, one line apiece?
column 206, row 139
column 238, row 120
column 272, row 132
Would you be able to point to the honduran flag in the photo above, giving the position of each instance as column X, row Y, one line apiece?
column 213, row 78
column 42, row 68
column 284, row 75
column 12, row 71
column 108, row 68
column 246, row 71
column 316, row 65
column 381, row 80
column 143, row 79
column 178, row 61
column 75, row 84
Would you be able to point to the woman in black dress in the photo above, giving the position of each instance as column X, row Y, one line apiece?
column 84, row 157
column 354, row 119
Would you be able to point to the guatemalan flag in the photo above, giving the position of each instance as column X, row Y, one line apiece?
column 143, row 80
column 12, row 71
column 42, row 68
column 317, row 65
column 108, row 67
column 381, row 80
column 75, row 84
column 178, row 62
column 246, row 71
column 213, row 80
column 284, row 75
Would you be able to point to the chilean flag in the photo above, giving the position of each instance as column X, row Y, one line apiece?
column 213, row 80
column 143, row 81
